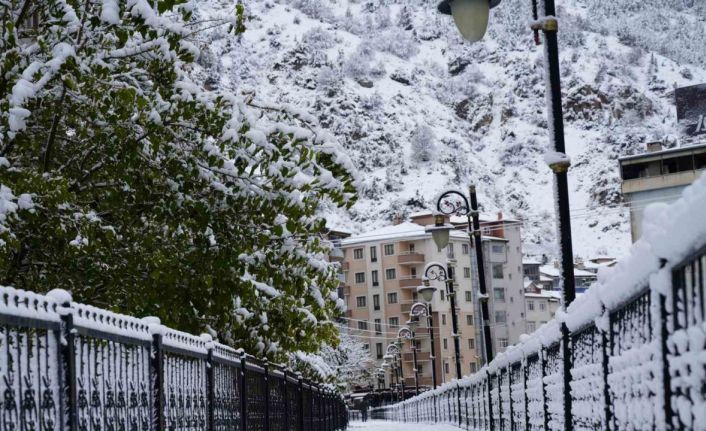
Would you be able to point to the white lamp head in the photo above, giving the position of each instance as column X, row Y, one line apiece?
column 470, row 16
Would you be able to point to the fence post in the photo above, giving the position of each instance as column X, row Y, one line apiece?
column 607, row 341
column 243, row 395
column 665, row 365
column 210, row 383
column 266, row 380
column 301, row 402
column 525, row 374
column 545, row 408
column 489, row 393
column 286, row 399
column 566, row 348
column 465, row 404
column 157, row 373
column 67, row 359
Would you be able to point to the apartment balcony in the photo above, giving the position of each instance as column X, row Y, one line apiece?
column 410, row 258
column 406, row 308
column 347, row 290
column 423, row 381
column 345, row 266
column 410, row 282
column 349, row 313
column 421, row 356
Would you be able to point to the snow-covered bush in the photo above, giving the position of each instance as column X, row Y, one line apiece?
column 315, row 9
column 358, row 64
column 329, row 80
column 422, row 144
column 126, row 182
column 397, row 42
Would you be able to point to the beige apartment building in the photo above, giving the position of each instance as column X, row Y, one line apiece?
column 383, row 269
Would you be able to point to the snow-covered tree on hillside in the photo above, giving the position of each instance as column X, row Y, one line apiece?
column 422, row 144
column 127, row 183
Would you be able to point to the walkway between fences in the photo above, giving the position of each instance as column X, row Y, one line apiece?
column 635, row 349
column 69, row 366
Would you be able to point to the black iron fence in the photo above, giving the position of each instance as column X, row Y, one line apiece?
column 636, row 355
column 68, row 366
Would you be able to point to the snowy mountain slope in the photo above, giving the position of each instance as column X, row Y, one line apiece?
column 420, row 110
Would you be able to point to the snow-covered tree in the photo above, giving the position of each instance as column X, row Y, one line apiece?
column 422, row 143
column 126, row 182
column 347, row 365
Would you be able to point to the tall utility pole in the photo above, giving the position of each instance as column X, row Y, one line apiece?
column 451, row 293
column 549, row 25
column 475, row 235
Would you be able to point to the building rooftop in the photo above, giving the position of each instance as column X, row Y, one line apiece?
column 404, row 231
column 670, row 152
column 552, row 271
column 548, row 294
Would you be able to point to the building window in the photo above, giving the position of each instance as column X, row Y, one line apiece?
column 466, row 272
column 441, row 293
column 389, row 249
column 394, row 322
column 498, row 248
column 378, row 350
column 499, row 294
column 392, row 298
column 378, row 326
column 360, row 301
column 358, row 253
column 498, row 271
column 531, row 327
column 469, row 298
column 530, row 305
column 473, row 367
column 420, row 368
column 502, row 342
column 374, row 276
column 443, row 319
column 446, row 367
column 465, row 249
column 471, row 343
column 376, row 302
column 390, row 274
column 469, row 320
column 542, row 306
column 500, row 316
column 373, row 254
column 446, row 344
column 360, row 277
column 363, row 326
column 450, row 251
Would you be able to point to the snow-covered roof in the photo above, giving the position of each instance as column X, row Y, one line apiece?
column 406, row 231
column 551, row 271
column 545, row 294
column 530, row 261
column 484, row 217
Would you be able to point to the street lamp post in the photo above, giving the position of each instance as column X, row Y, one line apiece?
column 455, row 203
column 407, row 333
column 473, row 22
column 435, row 271
column 420, row 309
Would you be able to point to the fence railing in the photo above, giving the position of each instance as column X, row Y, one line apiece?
column 636, row 353
column 69, row 366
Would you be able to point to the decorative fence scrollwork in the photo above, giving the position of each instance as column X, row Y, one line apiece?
column 71, row 367
column 636, row 363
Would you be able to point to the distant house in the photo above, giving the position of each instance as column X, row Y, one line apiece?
column 596, row 263
column 550, row 273
column 541, row 305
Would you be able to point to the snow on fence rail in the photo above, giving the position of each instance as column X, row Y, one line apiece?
column 69, row 366
column 636, row 346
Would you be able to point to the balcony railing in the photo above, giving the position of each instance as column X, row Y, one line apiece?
column 421, row 356
column 410, row 281
column 410, row 258
column 336, row 254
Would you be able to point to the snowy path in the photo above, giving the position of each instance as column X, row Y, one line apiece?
column 397, row 426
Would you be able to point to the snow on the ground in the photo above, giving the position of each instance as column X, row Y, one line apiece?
column 397, row 426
